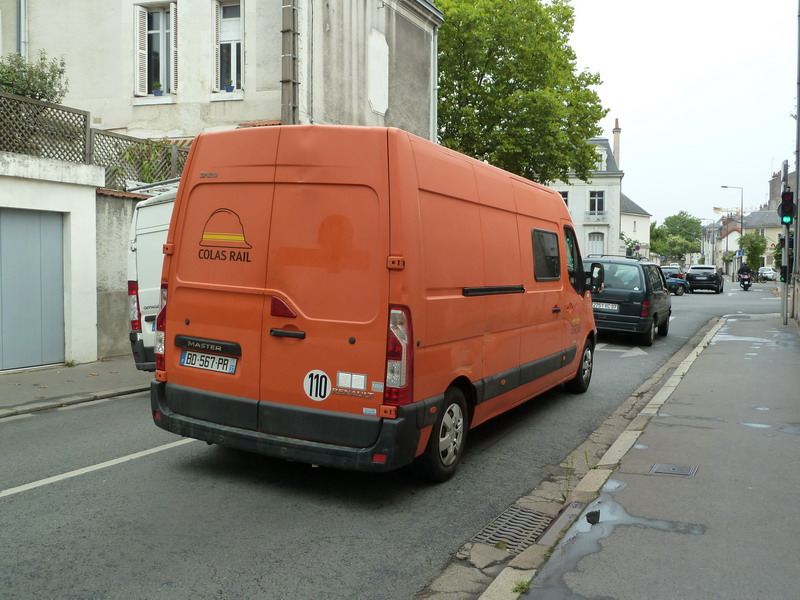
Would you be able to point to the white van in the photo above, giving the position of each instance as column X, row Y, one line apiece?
column 148, row 234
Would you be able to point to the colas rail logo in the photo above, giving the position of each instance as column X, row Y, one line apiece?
column 223, row 238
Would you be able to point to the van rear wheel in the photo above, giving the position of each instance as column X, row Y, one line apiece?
column 448, row 439
column 646, row 338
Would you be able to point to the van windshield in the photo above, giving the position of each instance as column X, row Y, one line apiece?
column 623, row 277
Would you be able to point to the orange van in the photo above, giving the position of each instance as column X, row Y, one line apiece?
column 361, row 298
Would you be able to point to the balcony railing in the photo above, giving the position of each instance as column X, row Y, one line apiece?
column 52, row 131
column 595, row 216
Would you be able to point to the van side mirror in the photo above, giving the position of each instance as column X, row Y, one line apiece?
column 595, row 277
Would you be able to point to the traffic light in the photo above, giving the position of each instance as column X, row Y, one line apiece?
column 786, row 208
column 784, row 272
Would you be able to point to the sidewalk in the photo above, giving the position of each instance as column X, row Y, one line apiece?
column 41, row 388
column 703, row 492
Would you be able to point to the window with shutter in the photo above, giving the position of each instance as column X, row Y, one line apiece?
column 156, row 54
column 140, row 68
column 228, row 46
column 173, row 11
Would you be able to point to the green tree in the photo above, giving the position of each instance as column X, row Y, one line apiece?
column 509, row 89
column 632, row 246
column 754, row 245
column 658, row 239
column 685, row 226
column 678, row 236
column 41, row 79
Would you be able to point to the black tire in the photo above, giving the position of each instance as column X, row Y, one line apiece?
column 691, row 290
column 580, row 383
column 448, row 439
column 663, row 329
column 679, row 291
column 646, row 338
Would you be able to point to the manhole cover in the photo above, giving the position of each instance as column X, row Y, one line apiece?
column 666, row 469
column 515, row 529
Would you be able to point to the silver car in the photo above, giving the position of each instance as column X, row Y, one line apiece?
column 767, row 274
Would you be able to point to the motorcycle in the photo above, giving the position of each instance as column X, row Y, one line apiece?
column 745, row 280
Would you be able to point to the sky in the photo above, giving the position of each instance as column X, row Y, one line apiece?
column 704, row 91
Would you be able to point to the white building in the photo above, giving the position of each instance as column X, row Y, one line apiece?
column 635, row 225
column 360, row 62
column 599, row 209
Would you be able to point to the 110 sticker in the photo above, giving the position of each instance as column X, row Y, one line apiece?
column 317, row 385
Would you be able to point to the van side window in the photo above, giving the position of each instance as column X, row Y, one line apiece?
column 574, row 261
column 546, row 256
column 655, row 278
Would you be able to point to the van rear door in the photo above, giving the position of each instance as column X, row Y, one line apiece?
column 326, row 313
column 216, row 298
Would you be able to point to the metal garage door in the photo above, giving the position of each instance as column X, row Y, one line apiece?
column 31, row 288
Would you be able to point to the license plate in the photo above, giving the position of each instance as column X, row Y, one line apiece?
column 606, row 306
column 701, row 278
column 208, row 362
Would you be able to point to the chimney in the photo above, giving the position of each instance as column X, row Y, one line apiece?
column 616, row 132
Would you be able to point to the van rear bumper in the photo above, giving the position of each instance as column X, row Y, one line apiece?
column 623, row 323
column 143, row 356
column 397, row 438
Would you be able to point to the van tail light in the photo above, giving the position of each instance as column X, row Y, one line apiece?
column 646, row 308
column 133, row 304
column 399, row 357
column 161, row 330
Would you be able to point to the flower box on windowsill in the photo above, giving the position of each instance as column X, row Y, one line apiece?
column 223, row 96
column 149, row 100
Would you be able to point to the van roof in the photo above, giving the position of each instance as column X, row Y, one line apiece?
column 159, row 199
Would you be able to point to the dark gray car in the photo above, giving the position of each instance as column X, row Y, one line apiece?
column 634, row 299
column 705, row 277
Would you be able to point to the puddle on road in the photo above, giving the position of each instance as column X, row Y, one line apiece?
column 793, row 429
column 724, row 337
column 583, row 539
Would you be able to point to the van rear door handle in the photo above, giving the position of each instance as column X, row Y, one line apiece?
column 301, row 335
column 556, row 310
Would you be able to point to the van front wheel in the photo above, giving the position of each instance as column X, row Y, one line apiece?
column 580, row 383
column 448, row 439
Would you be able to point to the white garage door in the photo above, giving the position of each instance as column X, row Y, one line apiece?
column 31, row 288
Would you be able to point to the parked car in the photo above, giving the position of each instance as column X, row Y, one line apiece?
column 676, row 284
column 635, row 299
column 705, row 277
column 767, row 274
column 672, row 271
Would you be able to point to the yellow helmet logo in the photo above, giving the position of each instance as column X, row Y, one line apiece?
column 224, row 229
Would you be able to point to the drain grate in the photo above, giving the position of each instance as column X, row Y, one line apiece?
column 666, row 469
column 515, row 529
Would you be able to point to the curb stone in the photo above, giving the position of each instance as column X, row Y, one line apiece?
column 79, row 399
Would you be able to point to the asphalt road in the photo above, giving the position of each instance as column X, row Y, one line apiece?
column 151, row 518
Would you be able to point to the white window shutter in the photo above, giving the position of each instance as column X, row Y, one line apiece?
column 217, row 26
column 140, row 58
column 173, row 50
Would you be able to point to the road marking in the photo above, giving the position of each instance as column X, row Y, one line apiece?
column 626, row 352
column 97, row 467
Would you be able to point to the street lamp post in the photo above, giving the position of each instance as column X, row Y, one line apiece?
column 741, row 203
column 741, row 208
